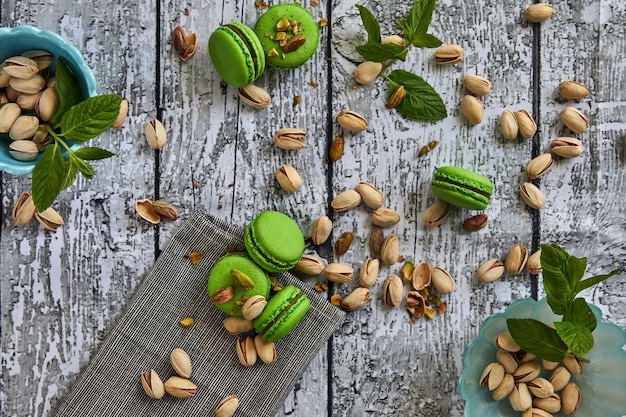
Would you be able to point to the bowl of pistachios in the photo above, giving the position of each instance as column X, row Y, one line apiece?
column 40, row 74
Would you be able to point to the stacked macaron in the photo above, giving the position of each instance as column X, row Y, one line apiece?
column 461, row 187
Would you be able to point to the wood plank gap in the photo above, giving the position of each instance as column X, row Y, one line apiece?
column 536, row 145
column 159, row 116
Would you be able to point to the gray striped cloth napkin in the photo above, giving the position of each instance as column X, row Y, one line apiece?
column 149, row 330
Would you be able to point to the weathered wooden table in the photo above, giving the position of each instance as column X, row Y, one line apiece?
column 62, row 292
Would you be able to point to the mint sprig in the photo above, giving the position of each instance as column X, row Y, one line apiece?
column 562, row 282
column 422, row 101
column 77, row 121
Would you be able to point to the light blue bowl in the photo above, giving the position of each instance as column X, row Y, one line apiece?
column 19, row 39
column 602, row 383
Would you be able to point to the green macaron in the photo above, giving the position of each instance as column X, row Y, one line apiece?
column 274, row 241
column 289, row 35
column 237, row 54
column 228, row 294
column 461, row 187
column 282, row 313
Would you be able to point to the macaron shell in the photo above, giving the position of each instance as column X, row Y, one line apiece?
column 462, row 187
column 272, row 324
column 266, row 29
column 220, row 277
column 236, row 54
column 459, row 197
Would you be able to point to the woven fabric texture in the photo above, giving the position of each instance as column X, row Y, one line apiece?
column 149, row 330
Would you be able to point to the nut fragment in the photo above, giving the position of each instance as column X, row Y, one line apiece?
column 367, row 72
column 356, row 299
column 422, row 276
column 573, row 90
column 310, row 264
column 442, row 280
column 532, row 195
column 241, row 279
column 390, row 250
column 567, row 147
column 336, row 148
column 322, row 227
column 294, row 43
column 539, row 166
column 340, row 273
column 227, row 407
column 187, row 322
column 290, row 138
column 371, row 195
column 539, row 12
column 254, row 96
column 516, row 260
column 376, row 240
column 222, row 295
column 449, row 55
column 475, row 223
column 385, row 217
column 392, row 291
column 492, row 376
column 473, row 109
column 184, row 44
column 570, row 398
column 155, row 134
column 343, row 243
column 490, row 271
column 24, row 208
column 352, row 121
column 181, row 362
column 574, row 120
column 253, row 307
column 346, row 200
column 415, row 304
column 288, row 178
column 533, row 265
column 49, row 218
column 246, row 352
column 508, row 125
column 369, row 272
column 396, row 97
column 526, row 124
column 180, row 387
column 436, row 213
column 165, row 210
column 236, row 325
column 477, row 85
column 152, row 384
column 266, row 351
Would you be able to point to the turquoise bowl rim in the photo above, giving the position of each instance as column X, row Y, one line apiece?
column 22, row 38
column 513, row 311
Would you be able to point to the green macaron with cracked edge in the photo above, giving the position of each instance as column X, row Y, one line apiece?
column 461, row 187
column 237, row 54
column 274, row 241
column 282, row 313
column 220, row 277
column 265, row 29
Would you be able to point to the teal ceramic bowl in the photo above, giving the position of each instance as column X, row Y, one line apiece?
column 19, row 39
column 602, row 384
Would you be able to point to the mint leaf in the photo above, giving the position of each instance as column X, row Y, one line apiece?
column 379, row 52
column 420, row 16
column 93, row 153
column 372, row 27
column 71, row 170
column 590, row 282
column 581, row 313
column 67, row 89
column 85, row 168
column 425, row 40
column 554, row 264
column 48, row 176
column 577, row 337
column 537, row 338
column 422, row 102
column 91, row 117
column 575, row 270
column 406, row 29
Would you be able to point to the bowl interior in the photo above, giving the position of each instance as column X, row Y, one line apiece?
column 17, row 40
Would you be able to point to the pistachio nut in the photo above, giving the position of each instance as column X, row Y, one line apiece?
column 181, row 362
column 246, row 352
column 369, row 272
column 266, row 351
column 28, row 101
column 533, row 265
column 336, row 148
column 539, row 12
column 507, row 360
column 24, row 209
column 567, row 147
column 539, row 165
column 573, row 364
column 436, row 213
column 21, row 67
column 356, row 299
column 165, row 210
column 573, row 90
column 24, row 127
column 187, row 322
column 41, row 57
column 385, row 217
column 532, row 195
column 310, row 264
column 339, row 273
column 475, row 223
column 392, row 291
column 121, row 116
column 520, row 397
column 574, row 120
column 3, row 97
column 352, row 121
column 236, row 325
column 504, row 389
column 23, row 150
column 547, row 365
column 11, row 93
column 145, row 209
column 370, row 195
column 516, row 260
column 505, row 342
column 540, row 388
column 4, row 77
column 184, row 44
column 367, row 72
column 526, row 124
column 524, row 356
column 294, row 43
column 253, row 307
column 155, row 134
column 536, row 412
column 290, row 138
column 508, row 125
column 288, row 178
column 227, row 407
column 550, row 403
column 49, row 219
column 527, row 371
column 422, row 276
column 343, row 243
column 152, row 384
column 442, row 280
column 51, row 82
column 222, row 295
column 473, row 109
column 8, row 115
column 241, row 279
column 346, row 200
column 376, row 240
column 395, row 39
column 390, row 250
column 559, row 378
column 396, row 97
column 449, row 55
column 415, row 304
column 477, row 85
column 180, row 387
column 406, row 272
column 492, row 376
column 490, row 271
column 42, row 137
column 570, row 398
column 322, row 226
column 28, row 86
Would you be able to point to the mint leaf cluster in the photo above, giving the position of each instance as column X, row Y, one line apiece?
column 562, row 282
column 422, row 102
column 77, row 120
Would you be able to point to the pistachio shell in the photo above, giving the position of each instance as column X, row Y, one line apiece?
column 448, row 55
column 421, row 277
column 28, row 101
column 246, row 351
column 356, row 299
column 473, row 109
column 180, row 387
column 507, row 360
column 145, row 209
column 42, row 58
column 442, row 280
column 370, row 194
column 48, row 104
column 253, row 307
column 155, row 134
column 236, row 325
column 288, row 178
column 346, row 200
column 50, row 219
column 504, row 389
column 436, row 213
column 310, row 264
column 23, row 150
column 367, row 72
column 574, row 120
column 290, row 138
column 340, row 273
column 516, row 260
column 573, row 364
column 559, row 378
column 181, row 362
column 527, row 371
column 395, row 39
column 567, row 147
column 477, row 85
column 490, row 270
column 254, row 96
column 505, row 342
column 121, row 116
column 21, row 67
column 492, row 376
column 539, row 166
column 520, row 397
column 570, row 398
column 28, row 86
column 526, row 124
column 369, row 272
column 539, row 12
column 227, row 407
column 573, row 90
column 4, row 77
column 24, row 127
column 551, row 403
column 415, row 304
column 390, row 250
column 392, row 291
column 322, row 227
column 385, row 217
column 24, row 209
column 152, row 384
column 508, row 125
column 540, row 387
column 266, row 351
column 533, row 265
column 532, row 195
column 352, row 121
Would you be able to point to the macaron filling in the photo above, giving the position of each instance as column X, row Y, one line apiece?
column 451, row 182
